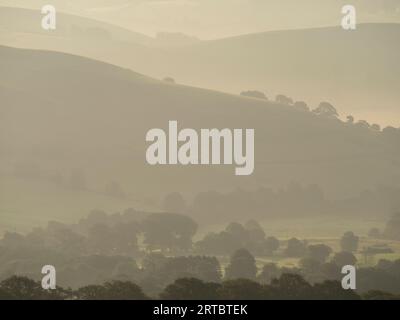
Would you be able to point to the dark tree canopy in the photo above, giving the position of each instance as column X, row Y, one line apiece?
column 242, row 265
column 168, row 231
column 190, row 289
column 349, row 242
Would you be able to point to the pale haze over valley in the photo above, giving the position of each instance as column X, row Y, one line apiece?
column 243, row 148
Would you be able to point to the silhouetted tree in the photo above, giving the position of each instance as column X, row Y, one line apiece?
column 255, row 231
column 218, row 243
column 23, row 288
column 240, row 289
column 238, row 231
column 332, row 290
column 349, row 242
column 269, row 271
column 115, row 290
column 254, row 94
column 310, row 267
column 344, row 258
column 292, row 287
column 271, row 245
column 331, row 271
column 242, row 265
column 363, row 124
column 296, row 248
column 190, row 289
column 280, row 98
column 202, row 268
column 327, row 110
column 168, row 231
column 319, row 252
column 376, row 279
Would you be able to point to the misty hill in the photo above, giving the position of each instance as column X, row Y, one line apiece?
column 357, row 71
column 66, row 112
column 25, row 24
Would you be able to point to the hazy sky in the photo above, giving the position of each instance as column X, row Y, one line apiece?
column 220, row 18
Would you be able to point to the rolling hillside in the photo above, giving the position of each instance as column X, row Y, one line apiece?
column 356, row 71
column 66, row 112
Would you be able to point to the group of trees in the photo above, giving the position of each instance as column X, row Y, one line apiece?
column 155, row 249
column 250, row 236
column 101, row 233
column 285, row 287
column 324, row 109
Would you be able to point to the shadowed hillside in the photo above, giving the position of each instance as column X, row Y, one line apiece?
column 61, row 112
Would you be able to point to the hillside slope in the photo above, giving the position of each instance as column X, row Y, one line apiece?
column 62, row 112
column 357, row 71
